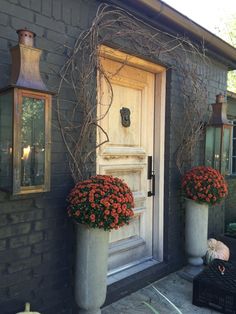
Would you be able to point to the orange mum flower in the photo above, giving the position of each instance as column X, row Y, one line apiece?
column 204, row 185
column 101, row 202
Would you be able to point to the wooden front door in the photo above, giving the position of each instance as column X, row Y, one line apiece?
column 129, row 125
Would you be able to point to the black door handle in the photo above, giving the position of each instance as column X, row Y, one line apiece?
column 151, row 176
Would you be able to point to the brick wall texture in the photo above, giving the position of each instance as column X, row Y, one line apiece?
column 230, row 202
column 36, row 238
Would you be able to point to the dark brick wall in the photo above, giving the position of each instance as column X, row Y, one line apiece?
column 35, row 255
column 230, row 202
column 175, row 210
column 36, row 238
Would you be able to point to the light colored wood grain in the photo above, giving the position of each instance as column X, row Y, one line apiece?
column 138, row 85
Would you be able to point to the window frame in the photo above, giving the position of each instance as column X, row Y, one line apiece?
column 19, row 93
column 231, row 152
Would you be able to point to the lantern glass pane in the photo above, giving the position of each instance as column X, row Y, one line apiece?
column 234, row 165
column 209, row 149
column 234, row 130
column 6, row 100
column 234, row 147
column 225, row 151
column 217, row 144
column 32, row 141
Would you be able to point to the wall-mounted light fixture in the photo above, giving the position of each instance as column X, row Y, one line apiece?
column 218, row 137
column 25, row 122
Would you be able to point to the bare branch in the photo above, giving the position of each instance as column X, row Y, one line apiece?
column 82, row 72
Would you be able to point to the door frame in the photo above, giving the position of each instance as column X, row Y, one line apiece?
column 159, row 137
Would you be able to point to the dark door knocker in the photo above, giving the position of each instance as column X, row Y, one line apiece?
column 125, row 117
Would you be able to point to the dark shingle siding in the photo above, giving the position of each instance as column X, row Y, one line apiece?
column 36, row 237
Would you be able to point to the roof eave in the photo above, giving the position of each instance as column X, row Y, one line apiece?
column 231, row 94
column 211, row 41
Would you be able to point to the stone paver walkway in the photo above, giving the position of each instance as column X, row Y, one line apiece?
column 178, row 290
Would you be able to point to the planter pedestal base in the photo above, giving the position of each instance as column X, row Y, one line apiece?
column 189, row 272
column 90, row 269
column 195, row 261
column 196, row 229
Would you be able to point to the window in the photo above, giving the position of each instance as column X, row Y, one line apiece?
column 233, row 167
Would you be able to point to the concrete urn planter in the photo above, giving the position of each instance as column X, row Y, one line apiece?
column 90, row 268
column 196, row 231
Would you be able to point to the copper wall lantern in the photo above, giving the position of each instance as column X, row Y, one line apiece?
column 25, row 123
column 218, row 137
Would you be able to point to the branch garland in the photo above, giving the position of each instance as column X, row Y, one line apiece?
column 82, row 73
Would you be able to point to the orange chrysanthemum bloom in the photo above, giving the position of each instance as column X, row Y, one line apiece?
column 102, row 202
column 204, row 185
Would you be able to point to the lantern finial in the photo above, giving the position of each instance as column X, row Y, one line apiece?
column 219, row 98
column 219, row 111
column 25, row 70
column 26, row 37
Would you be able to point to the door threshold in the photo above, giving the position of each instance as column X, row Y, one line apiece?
column 129, row 270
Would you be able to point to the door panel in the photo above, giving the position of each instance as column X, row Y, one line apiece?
column 125, row 155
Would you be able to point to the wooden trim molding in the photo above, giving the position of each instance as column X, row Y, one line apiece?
column 117, row 55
